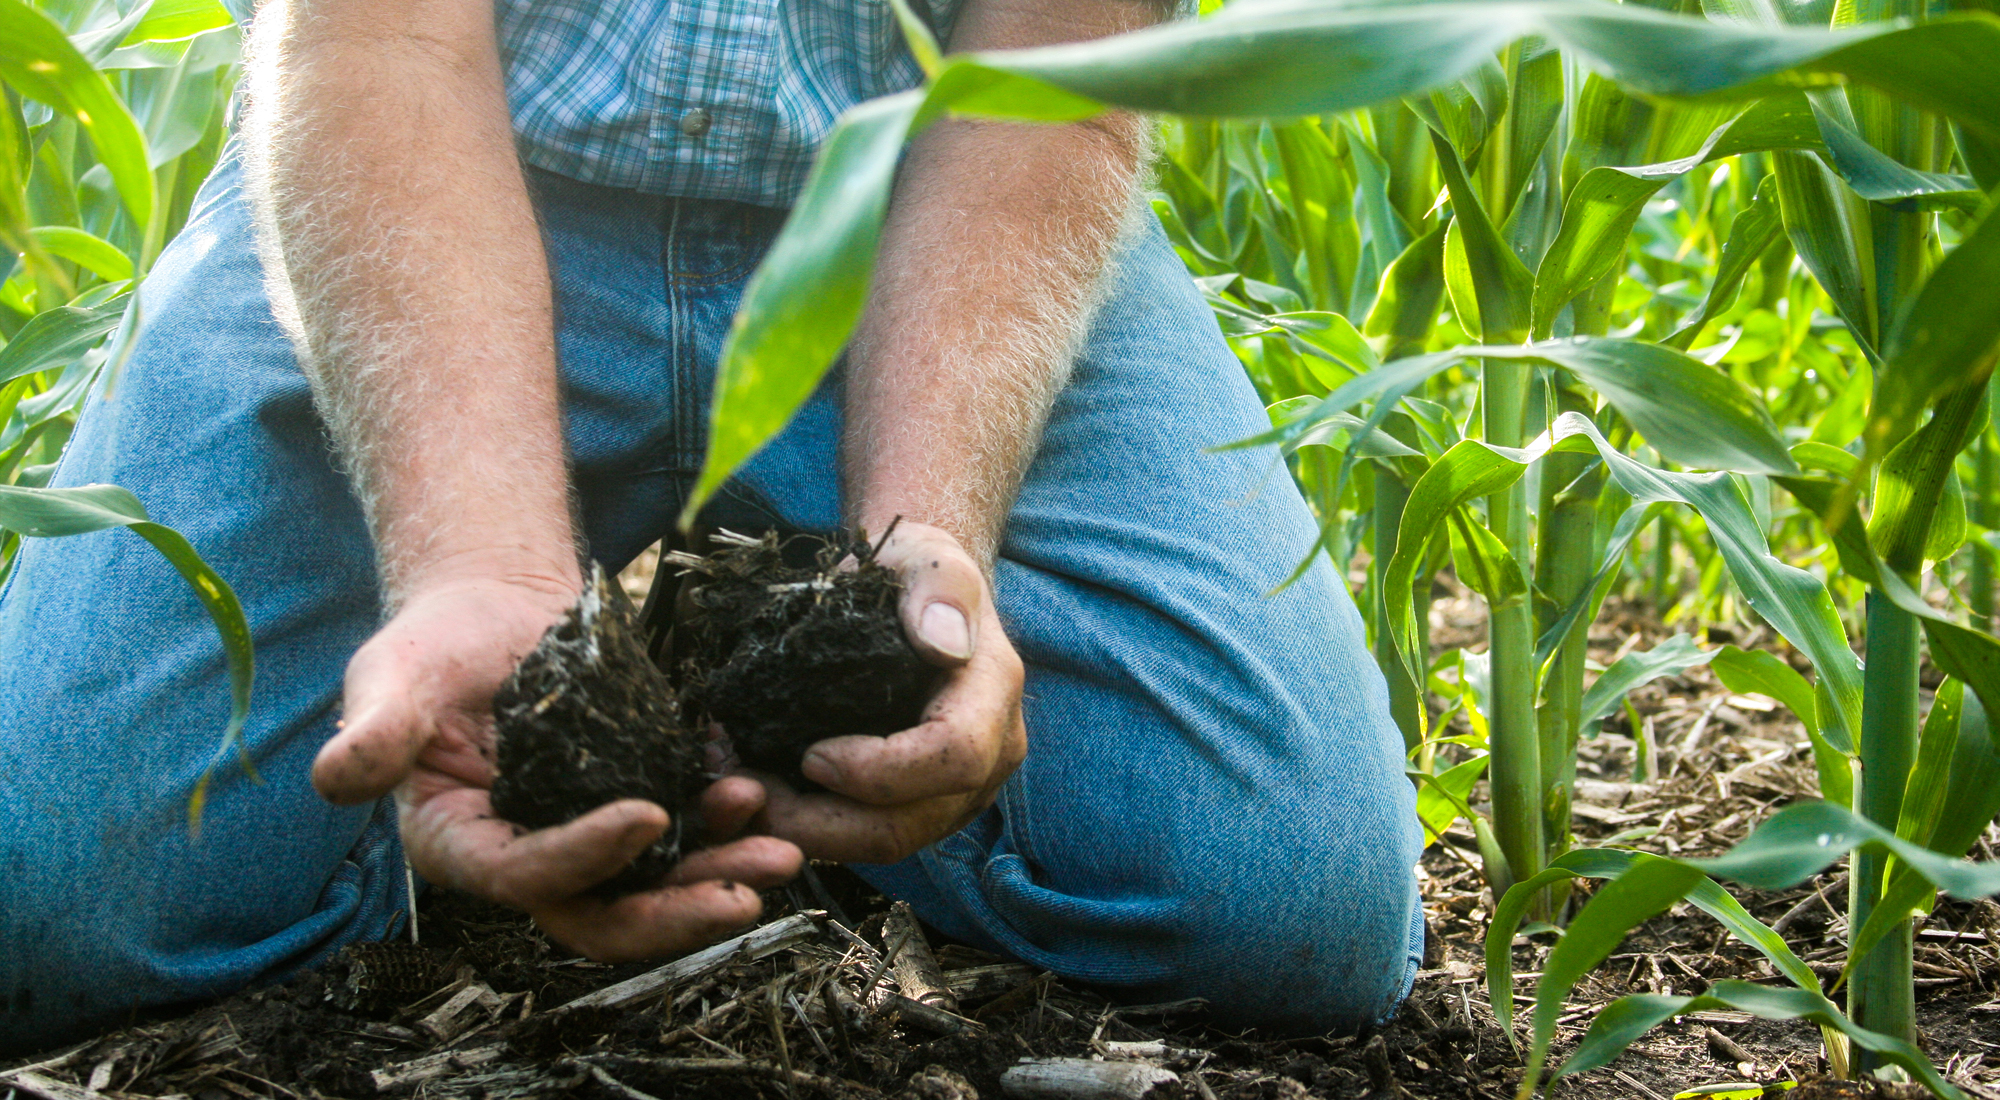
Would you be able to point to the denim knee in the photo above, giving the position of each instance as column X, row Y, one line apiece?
column 103, row 923
column 1293, row 927
column 1296, row 913
column 1308, row 937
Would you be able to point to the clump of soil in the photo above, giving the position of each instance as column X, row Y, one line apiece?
column 782, row 656
column 586, row 719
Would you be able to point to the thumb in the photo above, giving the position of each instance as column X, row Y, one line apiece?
column 381, row 732
column 944, row 596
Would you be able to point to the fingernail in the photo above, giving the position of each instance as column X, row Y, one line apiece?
column 945, row 629
column 820, row 769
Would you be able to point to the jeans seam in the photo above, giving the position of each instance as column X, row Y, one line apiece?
column 682, row 447
column 735, row 272
column 1014, row 819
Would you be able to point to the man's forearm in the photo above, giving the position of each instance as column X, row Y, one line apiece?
column 990, row 259
column 404, row 261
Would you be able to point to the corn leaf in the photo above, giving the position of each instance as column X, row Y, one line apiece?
column 1535, row 91
column 1645, row 890
column 1624, row 1020
column 54, row 513
column 1829, row 230
column 1944, row 338
column 1970, row 655
column 15, row 166
column 1279, row 59
column 55, row 338
column 1805, row 838
column 1606, row 203
column 806, row 296
column 1790, row 599
column 1610, row 863
column 1501, row 284
column 38, row 60
column 1630, row 522
column 1972, row 791
column 1781, row 121
column 172, row 19
column 1441, row 799
column 1753, row 670
column 1751, row 233
column 1634, row 670
column 1468, row 471
column 1922, row 808
column 83, row 249
column 1483, row 562
column 1690, row 412
column 1645, row 885
column 1923, row 795
column 1908, row 894
column 1875, row 176
column 1919, row 508
column 1600, row 214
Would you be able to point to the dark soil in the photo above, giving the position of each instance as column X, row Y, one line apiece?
column 478, row 1009
column 781, row 656
column 775, row 655
column 588, row 719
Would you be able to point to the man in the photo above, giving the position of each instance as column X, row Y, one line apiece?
column 513, row 362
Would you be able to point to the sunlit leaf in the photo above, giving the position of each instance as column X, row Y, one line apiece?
column 37, row 59
column 53, row 513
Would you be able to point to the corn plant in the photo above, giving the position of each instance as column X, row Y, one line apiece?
column 111, row 115
column 1506, row 156
column 1578, row 522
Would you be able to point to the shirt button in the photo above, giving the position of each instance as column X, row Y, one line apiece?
column 695, row 123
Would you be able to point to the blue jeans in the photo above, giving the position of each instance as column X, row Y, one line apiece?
column 1213, row 803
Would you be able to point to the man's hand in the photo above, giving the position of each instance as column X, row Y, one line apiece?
column 419, row 721
column 416, row 289
column 893, row 795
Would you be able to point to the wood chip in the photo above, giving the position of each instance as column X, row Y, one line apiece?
column 454, row 1017
column 758, row 943
column 1083, row 1079
column 48, row 1088
column 1720, row 1017
column 1164, row 1008
column 1605, row 816
column 916, row 970
column 977, row 983
column 431, row 1067
column 1947, row 935
column 1140, row 1050
column 917, row 1014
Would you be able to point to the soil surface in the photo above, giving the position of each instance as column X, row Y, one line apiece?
column 781, row 655
column 819, row 1002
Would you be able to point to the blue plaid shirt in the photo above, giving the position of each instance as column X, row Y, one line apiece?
column 712, row 99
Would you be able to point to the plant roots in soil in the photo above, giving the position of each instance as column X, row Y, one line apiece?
column 588, row 719
column 782, row 656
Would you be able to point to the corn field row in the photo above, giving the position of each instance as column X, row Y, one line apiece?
column 1695, row 303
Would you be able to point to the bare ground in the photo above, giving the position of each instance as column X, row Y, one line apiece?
column 485, row 1008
